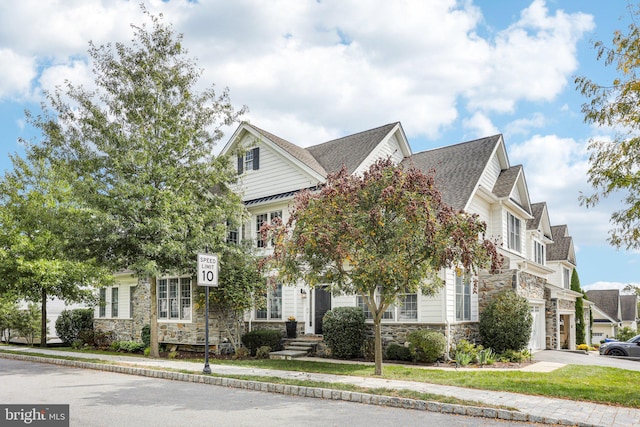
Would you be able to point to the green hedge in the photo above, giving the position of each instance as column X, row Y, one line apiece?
column 71, row 325
column 343, row 330
column 262, row 337
column 505, row 324
column 427, row 346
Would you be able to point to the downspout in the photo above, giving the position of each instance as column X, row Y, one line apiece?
column 446, row 320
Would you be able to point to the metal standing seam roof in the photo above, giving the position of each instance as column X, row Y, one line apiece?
column 458, row 167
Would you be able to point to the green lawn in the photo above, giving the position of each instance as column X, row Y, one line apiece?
column 576, row 382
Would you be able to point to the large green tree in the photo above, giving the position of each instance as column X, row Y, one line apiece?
column 615, row 163
column 379, row 235
column 580, row 326
column 139, row 150
column 41, row 256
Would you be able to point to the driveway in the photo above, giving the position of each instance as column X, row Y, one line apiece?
column 593, row 358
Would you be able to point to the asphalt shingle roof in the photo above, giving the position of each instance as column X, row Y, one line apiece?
column 560, row 249
column 607, row 300
column 629, row 307
column 349, row 151
column 458, row 167
column 537, row 209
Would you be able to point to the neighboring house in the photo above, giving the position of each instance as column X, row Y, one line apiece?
column 474, row 176
column 629, row 311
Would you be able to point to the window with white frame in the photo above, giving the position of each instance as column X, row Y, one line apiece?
column 131, row 291
column 387, row 315
column 566, row 278
column 174, row 298
column 249, row 160
column 513, row 232
column 538, row 252
column 114, row 301
column 463, row 297
column 273, row 309
column 265, row 218
column 102, row 310
column 408, row 307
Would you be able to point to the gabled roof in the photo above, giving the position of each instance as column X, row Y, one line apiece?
column 458, row 167
column 349, row 151
column 562, row 247
column 298, row 152
column 629, row 307
column 537, row 210
column 608, row 300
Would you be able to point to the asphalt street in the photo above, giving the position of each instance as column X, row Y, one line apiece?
column 98, row 398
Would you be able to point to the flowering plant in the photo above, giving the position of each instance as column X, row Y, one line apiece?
column 292, row 318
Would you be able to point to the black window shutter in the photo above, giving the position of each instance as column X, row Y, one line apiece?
column 240, row 164
column 256, row 158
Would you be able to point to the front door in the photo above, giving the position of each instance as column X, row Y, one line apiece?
column 322, row 300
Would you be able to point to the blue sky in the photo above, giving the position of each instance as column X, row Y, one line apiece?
column 310, row 71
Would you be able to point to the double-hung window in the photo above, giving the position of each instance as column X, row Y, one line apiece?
column 273, row 309
column 408, row 307
column 513, row 232
column 538, row 252
column 102, row 311
column 114, row 301
column 249, row 161
column 265, row 218
column 174, row 298
column 463, row 297
column 387, row 315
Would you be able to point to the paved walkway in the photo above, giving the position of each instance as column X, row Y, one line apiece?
column 537, row 408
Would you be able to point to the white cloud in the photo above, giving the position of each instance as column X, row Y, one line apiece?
column 16, row 74
column 525, row 125
column 480, row 125
column 608, row 285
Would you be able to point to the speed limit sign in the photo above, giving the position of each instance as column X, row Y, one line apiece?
column 207, row 270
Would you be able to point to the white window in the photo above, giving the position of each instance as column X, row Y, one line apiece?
column 174, row 298
column 265, row 218
column 273, row 310
column 131, row 290
column 102, row 311
column 249, row 161
column 463, row 297
column 114, row 302
column 566, row 278
column 513, row 232
column 408, row 308
column 538, row 252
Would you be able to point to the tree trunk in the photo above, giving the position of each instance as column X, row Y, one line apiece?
column 43, row 320
column 378, row 344
column 153, row 321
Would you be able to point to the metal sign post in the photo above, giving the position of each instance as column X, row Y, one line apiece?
column 207, row 276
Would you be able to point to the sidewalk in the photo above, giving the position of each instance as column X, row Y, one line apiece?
column 530, row 408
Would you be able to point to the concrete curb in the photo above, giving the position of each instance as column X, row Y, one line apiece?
column 303, row 391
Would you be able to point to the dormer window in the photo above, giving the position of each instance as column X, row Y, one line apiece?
column 250, row 160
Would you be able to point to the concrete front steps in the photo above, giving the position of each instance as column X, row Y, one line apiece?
column 296, row 347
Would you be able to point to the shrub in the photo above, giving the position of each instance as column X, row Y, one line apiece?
column 464, row 346
column 261, row 337
column 398, row 352
column 426, row 346
column 127, row 346
column 145, row 335
column 625, row 334
column 486, row 357
column 463, row 358
column 71, row 323
column 513, row 356
column 343, row 331
column 505, row 324
column 263, row 352
column 97, row 339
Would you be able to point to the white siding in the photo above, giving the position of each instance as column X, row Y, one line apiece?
column 390, row 147
column 491, row 173
column 515, row 195
column 275, row 175
column 123, row 283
